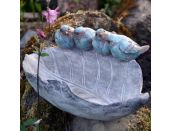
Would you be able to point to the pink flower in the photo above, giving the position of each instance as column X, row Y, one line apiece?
column 51, row 15
column 40, row 33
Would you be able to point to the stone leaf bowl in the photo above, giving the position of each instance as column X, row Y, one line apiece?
column 87, row 84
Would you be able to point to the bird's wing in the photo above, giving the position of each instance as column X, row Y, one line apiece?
column 125, row 38
column 113, row 39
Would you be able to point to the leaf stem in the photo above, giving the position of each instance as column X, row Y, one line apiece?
column 39, row 56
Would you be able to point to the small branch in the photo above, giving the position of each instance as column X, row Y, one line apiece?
column 38, row 110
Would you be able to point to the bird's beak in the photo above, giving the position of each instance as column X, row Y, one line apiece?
column 66, row 32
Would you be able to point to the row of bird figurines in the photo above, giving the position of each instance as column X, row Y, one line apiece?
column 104, row 42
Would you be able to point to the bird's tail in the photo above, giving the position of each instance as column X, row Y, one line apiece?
column 143, row 49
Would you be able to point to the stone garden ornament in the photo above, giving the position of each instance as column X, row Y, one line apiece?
column 64, row 37
column 120, row 46
column 87, row 83
column 83, row 37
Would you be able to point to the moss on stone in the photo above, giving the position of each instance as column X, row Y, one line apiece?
column 52, row 117
column 142, row 120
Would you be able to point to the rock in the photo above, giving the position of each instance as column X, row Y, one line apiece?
column 92, row 19
column 26, row 38
column 135, row 122
column 92, row 125
column 74, row 5
column 139, row 14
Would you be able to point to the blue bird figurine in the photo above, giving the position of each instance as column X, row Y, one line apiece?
column 100, row 44
column 83, row 37
column 64, row 36
column 122, row 47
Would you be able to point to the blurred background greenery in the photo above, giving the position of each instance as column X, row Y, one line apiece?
column 36, row 6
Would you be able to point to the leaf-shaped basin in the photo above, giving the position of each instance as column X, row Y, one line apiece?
column 86, row 83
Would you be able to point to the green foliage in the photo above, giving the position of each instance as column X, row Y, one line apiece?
column 38, row 51
column 27, row 123
column 110, row 6
column 30, row 6
column 44, row 54
column 22, row 4
column 76, row 1
column 36, row 6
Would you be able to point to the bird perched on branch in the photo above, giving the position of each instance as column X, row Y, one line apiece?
column 64, row 36
column 83, row 37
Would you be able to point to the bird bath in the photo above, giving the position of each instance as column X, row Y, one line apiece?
column 87, row 84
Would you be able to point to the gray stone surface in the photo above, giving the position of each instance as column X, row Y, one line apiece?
column 73, row 5
column 139, row 14
column 80, row 124
column 26, row 38
column 87, row 84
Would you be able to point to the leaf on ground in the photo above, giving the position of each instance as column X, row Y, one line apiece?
column 27, row 123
